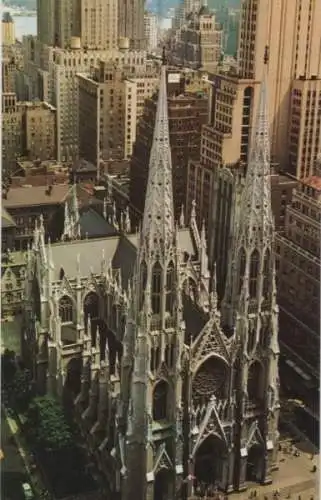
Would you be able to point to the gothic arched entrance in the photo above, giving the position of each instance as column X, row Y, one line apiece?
column 255, row 460
column 162, row 485
column 209, row 461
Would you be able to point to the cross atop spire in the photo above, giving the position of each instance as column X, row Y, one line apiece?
column 158, row 220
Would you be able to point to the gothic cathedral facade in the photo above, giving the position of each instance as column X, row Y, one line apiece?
column 169, row 388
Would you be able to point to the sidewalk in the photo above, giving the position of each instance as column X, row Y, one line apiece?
column 35, row 478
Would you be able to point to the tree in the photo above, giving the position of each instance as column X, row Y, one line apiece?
column 21, row 389
column 48, row 426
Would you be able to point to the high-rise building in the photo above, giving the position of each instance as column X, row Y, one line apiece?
column 93, row 21
column 11, row 124
column 200, row 41
column 28, row 129
column 298, row 256
column 151, row 31
column 111, row 101
column 39, row 130
column 8, row 29
column 131, row 22
column 64, row 67
column 292, row 30
column 305, row 126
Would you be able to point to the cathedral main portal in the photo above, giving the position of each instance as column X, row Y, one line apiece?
column 209, row 461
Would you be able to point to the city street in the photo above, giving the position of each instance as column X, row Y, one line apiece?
column 13, row 473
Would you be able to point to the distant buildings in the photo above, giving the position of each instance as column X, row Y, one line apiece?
column 200, row 42
column 111, row 101
column 28, row 130
column 151, row 31
column 8, row 29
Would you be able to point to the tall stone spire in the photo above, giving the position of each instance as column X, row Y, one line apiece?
column 253, row 241
column 158, row 221
column 154, row 310
column 256, row 209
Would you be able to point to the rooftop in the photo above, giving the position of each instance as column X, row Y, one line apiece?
column 35, row 195
column 314, row 181
column 6, row 219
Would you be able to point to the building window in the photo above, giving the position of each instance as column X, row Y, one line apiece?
column 241, row 267
column 254, row 268
column 170, row 287
column 160, row 401
column 156, row 288
column 65, row 309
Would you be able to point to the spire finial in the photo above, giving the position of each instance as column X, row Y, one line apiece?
column 105, row 208
column 193, row 212
column 182, row 218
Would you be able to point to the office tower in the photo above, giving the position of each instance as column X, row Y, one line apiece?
column 39, row 130
column 298, row 256
column 46, row 21
column 111, row 101
column 93, row 21
column 131, row 22
column 28, row 129
column 99, row 24
column 200, row 41
column 8, row 29
column 305, row 126
column 292, row 30
column 151, row 31
column 187, row 111
column 11, row 131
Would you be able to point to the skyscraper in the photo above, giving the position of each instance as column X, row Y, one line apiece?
column 131, row 22
column 292, row 31
column 93, row 21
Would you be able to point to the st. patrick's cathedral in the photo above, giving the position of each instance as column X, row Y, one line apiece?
column 169, row 390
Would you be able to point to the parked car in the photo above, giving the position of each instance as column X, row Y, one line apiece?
column 27, row 490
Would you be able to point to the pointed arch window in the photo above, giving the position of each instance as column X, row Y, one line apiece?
column 167, row 355
column 65, row 309
column 143, row 281
column 266, row 274
column 157, row 357
column 170, row 287
column 152, row 359
column 172, row 355
column 242, row 261
column 251, row 340
column 160, row 401
column 264, row 336
column 156, row 288
column 254, row 271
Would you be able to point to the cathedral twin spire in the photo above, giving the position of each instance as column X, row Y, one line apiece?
column 256, row 210
column 252, row 265
column 158, row 220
